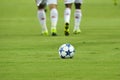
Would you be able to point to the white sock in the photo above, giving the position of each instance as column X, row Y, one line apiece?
column 67, row 14
column 77, row 15
column 54, row 18
column 42, row 19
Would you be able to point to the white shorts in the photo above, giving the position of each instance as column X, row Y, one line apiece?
column 72, row 1
column 38, row 2
column 51, row 1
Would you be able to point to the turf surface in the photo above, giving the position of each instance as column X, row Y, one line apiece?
column 26, row 55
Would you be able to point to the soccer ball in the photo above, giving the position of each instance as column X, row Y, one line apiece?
column 66, row 51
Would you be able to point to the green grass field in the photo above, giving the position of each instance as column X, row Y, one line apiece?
column 26, row 55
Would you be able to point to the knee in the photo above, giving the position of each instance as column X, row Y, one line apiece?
column 52, row 6
column 78, row 5
column 68, row 5
column 41, row 6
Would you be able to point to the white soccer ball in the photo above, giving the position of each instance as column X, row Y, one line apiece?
column 66, row 51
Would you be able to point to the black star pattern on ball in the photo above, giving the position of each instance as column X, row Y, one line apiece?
column 61, row 50
column 68, row 52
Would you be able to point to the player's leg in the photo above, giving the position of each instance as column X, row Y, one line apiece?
column 67, row 14
column 41, row 15
column 77, row 16
column 53, row 16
